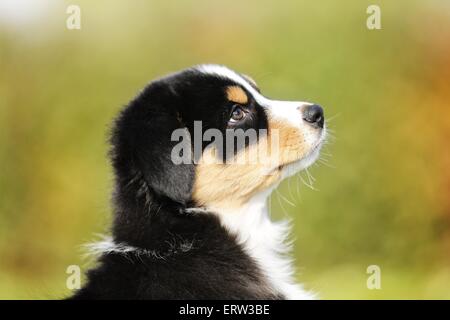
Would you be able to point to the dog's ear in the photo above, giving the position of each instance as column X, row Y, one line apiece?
column 142, row 145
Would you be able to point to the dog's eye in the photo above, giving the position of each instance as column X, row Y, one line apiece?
column 237, row 114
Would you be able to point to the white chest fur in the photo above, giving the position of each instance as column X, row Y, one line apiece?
column 265, row 241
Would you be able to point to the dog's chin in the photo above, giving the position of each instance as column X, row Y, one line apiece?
column 294, row 167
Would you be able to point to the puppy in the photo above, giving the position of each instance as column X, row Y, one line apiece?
column 191, row 219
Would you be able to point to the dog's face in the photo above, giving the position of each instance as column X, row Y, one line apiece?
column 279, row 137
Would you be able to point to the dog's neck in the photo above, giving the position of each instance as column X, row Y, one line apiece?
column 261, row 238
column 265, row 241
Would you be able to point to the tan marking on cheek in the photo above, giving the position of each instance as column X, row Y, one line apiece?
column 236, row 94
column 291, row 142
column 219, row 185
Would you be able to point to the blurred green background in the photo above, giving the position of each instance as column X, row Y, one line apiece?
column 381, row 192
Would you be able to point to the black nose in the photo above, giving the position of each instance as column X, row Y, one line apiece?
column 314, row 115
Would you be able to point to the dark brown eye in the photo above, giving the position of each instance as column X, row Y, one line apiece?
column 237, row 114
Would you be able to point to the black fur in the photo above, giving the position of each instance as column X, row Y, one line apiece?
column 179, row 255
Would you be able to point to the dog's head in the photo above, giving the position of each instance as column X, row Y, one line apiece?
column 191, row 116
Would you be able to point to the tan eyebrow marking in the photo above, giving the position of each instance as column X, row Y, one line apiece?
column 236, row 94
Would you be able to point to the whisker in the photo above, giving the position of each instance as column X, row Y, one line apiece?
column 306, row 184
column 334, row 117
column 285, row 199
column 326, row 164
column 289, row 189
column 310, row 176
column 283, row 209
column 330, row 136
column 297, row 182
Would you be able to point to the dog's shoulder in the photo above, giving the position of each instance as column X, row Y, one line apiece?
column 208, row 264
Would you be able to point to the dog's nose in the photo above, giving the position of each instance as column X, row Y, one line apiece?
column 314, row 115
